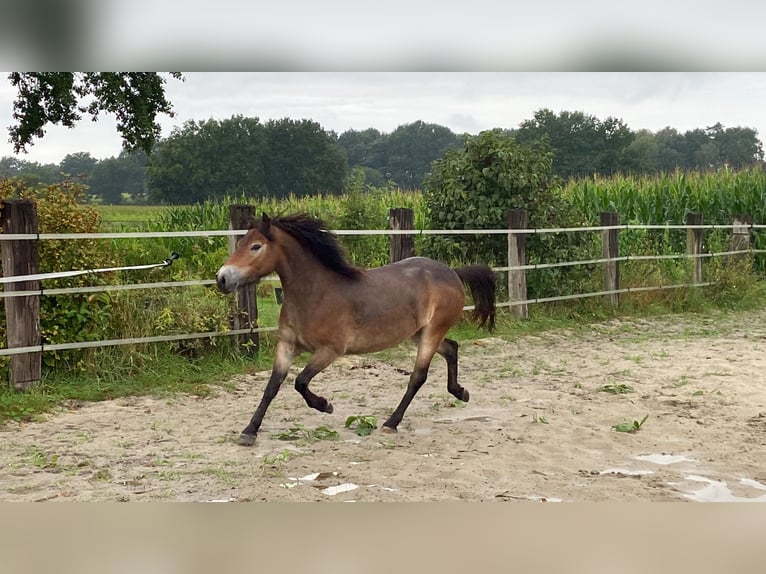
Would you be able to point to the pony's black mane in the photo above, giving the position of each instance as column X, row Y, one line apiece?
column 312, row 234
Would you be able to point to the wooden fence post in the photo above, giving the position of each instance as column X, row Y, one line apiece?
column 22, row 314
column 694, row 244
column 517, row 255
column 240, row 217
column 740, row 238
column 401, row 246
column 610, row 250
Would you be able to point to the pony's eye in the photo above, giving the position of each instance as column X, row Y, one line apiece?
column 255, row 246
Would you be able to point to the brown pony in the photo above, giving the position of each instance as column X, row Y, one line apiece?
column 331, row 308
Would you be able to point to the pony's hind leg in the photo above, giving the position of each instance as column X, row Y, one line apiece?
column 319, row 361
column 448, row 350
column 427, row 347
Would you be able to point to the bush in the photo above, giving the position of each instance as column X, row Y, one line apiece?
column 80, row 316
column 476, row 187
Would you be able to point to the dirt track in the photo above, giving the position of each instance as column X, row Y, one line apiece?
column 538, row 427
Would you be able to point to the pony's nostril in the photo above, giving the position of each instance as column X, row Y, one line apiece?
column 227, row 279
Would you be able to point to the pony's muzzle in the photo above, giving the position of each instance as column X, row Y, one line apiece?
column 228, row 278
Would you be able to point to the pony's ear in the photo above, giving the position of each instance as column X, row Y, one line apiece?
column 264, row 222
column 264, row 225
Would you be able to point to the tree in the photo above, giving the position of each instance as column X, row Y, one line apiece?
column 407, row 153
column 642, row 155
column 671, row 150
column 362, row 151
column 136, row 98
column 699, row 150
column 116, row 178
column 77, row 166
column 403, row 156
column 710, row 148
column 208, row 159
column 735, row 147
column 10, row 167
column 301, row 158
column 740, row 147
column 236, row 156
column 616, row 139
column 582, row 144
column 28, row 172
column 360, row 146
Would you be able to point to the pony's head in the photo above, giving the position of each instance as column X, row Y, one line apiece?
column 254, row 257
column 262, row 248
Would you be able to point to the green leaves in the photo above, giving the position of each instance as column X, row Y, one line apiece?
column 633, row 427
column 135, row 98
column 300, row 433
column 362, row 425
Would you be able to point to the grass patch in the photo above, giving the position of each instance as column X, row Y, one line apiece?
column 618, row 389
column 274, row 465
column 42, row 459
column 304, row 435
column 158, row 374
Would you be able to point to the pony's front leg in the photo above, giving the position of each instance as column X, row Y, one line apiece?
column 283, row 358
column 318, row 362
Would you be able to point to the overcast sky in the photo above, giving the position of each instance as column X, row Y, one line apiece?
column 464, row 102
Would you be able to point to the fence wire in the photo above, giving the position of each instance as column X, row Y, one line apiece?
column 346, row 232
column 234, row 232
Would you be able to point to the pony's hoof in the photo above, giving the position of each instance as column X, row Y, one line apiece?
column 328, row 409
column 388, row 430
column 466, row 396
column 245, row 440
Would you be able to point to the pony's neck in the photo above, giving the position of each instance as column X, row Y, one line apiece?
column 298, row 270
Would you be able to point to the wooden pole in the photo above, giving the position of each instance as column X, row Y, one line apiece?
column 694, row 244
column 740, row 238
column 610, row 250
column 401, row 246
column 22, row 314
column 240, row 217
column 517, row 255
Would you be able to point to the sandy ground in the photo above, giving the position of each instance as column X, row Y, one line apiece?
column 539, row 427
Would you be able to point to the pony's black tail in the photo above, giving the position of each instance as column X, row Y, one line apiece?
column 482, row 282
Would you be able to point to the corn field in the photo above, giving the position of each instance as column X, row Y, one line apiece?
column 720, row 196
column 661, row 199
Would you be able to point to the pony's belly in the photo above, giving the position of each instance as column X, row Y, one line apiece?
column 380, row 337
column 364, row 347
column 348, row 334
